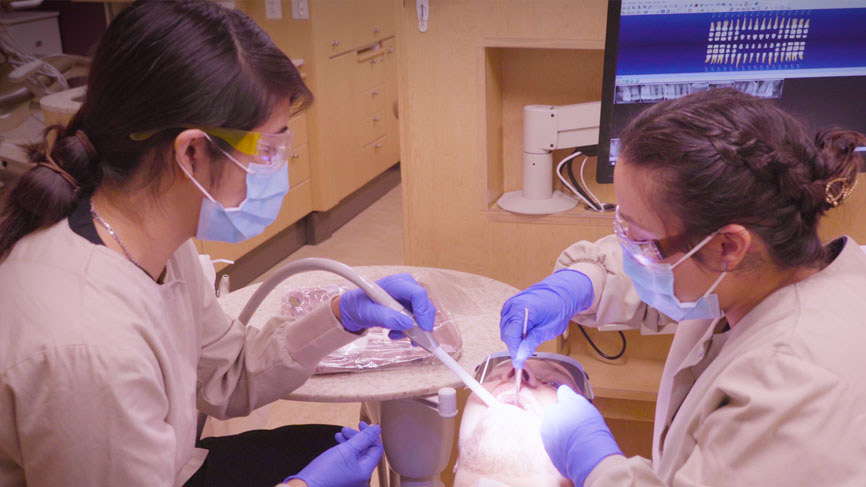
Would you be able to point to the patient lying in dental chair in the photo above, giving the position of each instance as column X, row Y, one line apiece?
column 501, row 446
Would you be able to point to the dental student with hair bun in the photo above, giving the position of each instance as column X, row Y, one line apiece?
column 111, row 338
column 720, row 198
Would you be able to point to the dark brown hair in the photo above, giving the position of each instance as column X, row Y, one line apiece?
column 723, row 157
column 160, row 65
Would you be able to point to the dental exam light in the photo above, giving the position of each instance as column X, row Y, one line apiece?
column 546, row 128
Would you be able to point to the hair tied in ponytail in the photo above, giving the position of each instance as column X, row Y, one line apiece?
column 50, row 164
column 85, row 142
column 845, row 188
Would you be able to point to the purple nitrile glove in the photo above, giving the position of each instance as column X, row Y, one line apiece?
column 575, row 436
column 349, row 464
column 358, row 311
column 551, row 304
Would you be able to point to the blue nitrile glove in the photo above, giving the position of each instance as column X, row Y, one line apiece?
column 347, row 433
column 349, row 464
column 551, row 303
column 358, row 311
column 575, row 436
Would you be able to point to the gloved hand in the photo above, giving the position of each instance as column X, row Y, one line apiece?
column 349, row 464
column 575, row 436
column 358, row 311
column 551, row 303
column 347, row 433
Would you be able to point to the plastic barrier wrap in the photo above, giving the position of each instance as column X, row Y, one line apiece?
column 375, row 350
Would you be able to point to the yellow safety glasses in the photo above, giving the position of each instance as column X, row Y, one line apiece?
column 270, row 149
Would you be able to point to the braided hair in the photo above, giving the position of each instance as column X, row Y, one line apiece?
column 723, row 156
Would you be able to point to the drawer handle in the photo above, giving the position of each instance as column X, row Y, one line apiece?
column 295, row 155
column 374, row 92
column 335, row 43
column 376, row 30
column 378, row 146
column 374, row 61
column 390, row 51
column 376, row 118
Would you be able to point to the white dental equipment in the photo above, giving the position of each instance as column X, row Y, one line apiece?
column 546, row 128
column 422, row 338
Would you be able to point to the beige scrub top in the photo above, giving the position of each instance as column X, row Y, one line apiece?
column 778, row 400
column 103, row 371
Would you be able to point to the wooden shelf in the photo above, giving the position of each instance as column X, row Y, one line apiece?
column 577, row 216
column 631, row 379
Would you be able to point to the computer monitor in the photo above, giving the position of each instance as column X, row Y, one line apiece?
column 808, row 56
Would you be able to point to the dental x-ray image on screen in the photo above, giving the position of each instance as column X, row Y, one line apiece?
column 809, row 57
column 501, row 445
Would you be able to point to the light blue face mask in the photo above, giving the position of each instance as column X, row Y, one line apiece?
column 654, row 283
column 265, row 192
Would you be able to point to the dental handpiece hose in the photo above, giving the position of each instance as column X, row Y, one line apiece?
column 424, row 339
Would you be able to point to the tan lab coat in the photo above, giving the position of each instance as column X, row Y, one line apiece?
column 779, row 400
column 103, row 371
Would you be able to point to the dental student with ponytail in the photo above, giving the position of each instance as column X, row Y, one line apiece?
column 720, row 198
column 111, row 339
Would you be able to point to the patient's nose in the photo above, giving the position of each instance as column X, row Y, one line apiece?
column 527, row 376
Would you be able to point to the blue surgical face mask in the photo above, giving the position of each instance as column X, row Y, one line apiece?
column 265, row 192
column 654, row 283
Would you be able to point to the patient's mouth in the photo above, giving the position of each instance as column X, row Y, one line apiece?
column 521, row 401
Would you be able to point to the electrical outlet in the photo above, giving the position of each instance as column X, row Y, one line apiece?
column 300, row 9
column 273, row 9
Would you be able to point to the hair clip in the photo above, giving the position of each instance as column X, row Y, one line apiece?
column 836, row 199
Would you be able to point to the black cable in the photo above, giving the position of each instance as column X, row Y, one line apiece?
column 570, row 172
column 598, row 350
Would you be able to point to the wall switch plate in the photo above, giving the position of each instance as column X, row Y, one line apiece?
column 300, row 9
column 273, row 9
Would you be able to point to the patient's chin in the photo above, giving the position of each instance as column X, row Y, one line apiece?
column 505, row 445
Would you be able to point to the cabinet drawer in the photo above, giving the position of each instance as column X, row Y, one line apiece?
column 372, row 128
column 371, row 67
column 375, row 155
column 298, row 128
column 374, row 21
column 299, row 165
column 372, row 101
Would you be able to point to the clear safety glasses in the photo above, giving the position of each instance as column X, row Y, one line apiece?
column 644, row 251
column 270, row 150
column 564, row 371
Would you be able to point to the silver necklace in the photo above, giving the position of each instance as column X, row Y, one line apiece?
column 111, row 232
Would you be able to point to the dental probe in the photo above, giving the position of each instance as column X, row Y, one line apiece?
column 518, row 373
column 422, row 338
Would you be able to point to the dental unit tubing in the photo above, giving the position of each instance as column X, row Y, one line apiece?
column 422, row 338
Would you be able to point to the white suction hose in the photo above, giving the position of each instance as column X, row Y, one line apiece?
column 422, row 338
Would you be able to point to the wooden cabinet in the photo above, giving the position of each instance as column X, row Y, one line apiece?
column 349, row 135
column 349, row 53
column 345, row 25
column 355, row 84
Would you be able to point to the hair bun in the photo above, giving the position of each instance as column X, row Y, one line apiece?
column 837, row 164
